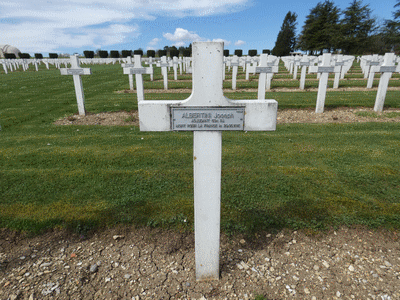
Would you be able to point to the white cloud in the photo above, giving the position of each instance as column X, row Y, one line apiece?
column 240, row 43
column 48, row 25
column 182, row 36
column 154, row 42
column 226, row 43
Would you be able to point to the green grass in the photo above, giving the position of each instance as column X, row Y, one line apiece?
column 83, row 177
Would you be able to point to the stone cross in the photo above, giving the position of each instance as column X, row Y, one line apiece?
column 340, row 63
column 164, row 70
column 304, row 63
column 138, row 70
column 207, row 112
column 324, row 70
column 129, row 64
column 264, row 69
column 388, row 68
column 150, row 62
column 77, row 71
column 235, row 65
column 175, row 62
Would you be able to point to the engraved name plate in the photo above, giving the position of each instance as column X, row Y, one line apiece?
column 326, row 69
column 263, row 69
column 75, row 72
column 387, row 69
column 207, row 118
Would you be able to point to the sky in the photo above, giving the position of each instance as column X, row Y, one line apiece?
column 72, row 26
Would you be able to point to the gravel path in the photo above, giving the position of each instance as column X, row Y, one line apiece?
column 128, row 263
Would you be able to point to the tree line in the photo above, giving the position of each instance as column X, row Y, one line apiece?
column 352, row 31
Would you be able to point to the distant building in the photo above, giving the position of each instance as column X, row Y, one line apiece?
column 8, row 49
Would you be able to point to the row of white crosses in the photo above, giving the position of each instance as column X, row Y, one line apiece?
column 130, row 69
column 207, row 112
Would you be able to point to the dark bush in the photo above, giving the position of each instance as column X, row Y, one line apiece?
column 226, row 52
column 53, row 55
column 162, row 53
column 126, row 53
column 238, row 52
column 186, row 53
column 252, row 52
column 114, row 54
column 88, row 54
column 38, row 55
column 138, row 52
column 173, row 53
column 267, row 51
column 24, row 55
column 103, row 54
column 151, row 53
column 10, row 56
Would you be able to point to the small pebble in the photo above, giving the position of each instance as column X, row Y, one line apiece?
column 93, row 268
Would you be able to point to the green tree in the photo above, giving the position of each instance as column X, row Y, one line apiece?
column 356, row 28
column 286, row 40
column 321, row 29
column 391, row 31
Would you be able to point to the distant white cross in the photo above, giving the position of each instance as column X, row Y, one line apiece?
column 264, row 69
column 324, row 69
column 207, row 112
column 164, row 70
column 129, row 64
column 138, row 70
column 77, row 71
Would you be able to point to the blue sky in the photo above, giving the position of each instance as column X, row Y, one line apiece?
column 69, row 26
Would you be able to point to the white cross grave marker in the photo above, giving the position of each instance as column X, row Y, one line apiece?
column 150, row 62
column 129, row 64
column 265, row 68
column 138, row 70
column 388, row 68
column 324, row 70
column 304, row 63
column 77, row 71
column 164, row 70
column 207, row 112
column 235, row 66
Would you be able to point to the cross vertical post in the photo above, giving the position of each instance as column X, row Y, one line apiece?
column 388, row 68
column 164, row 71
column 77, row 71
column 235, row 66
column 207, row 112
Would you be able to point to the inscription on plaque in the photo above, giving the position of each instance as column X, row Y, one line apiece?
column 387, row 69
column 322, row 69
column 263, row 69
column 207, row 118
column 75, row 72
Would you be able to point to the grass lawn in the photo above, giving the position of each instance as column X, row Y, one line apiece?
column 84, row 177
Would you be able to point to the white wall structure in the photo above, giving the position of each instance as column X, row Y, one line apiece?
column 8, row 49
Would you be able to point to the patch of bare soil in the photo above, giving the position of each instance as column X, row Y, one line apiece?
column 339, row 115
column 130, row 263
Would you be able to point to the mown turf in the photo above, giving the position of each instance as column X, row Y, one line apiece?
column 84, row 177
